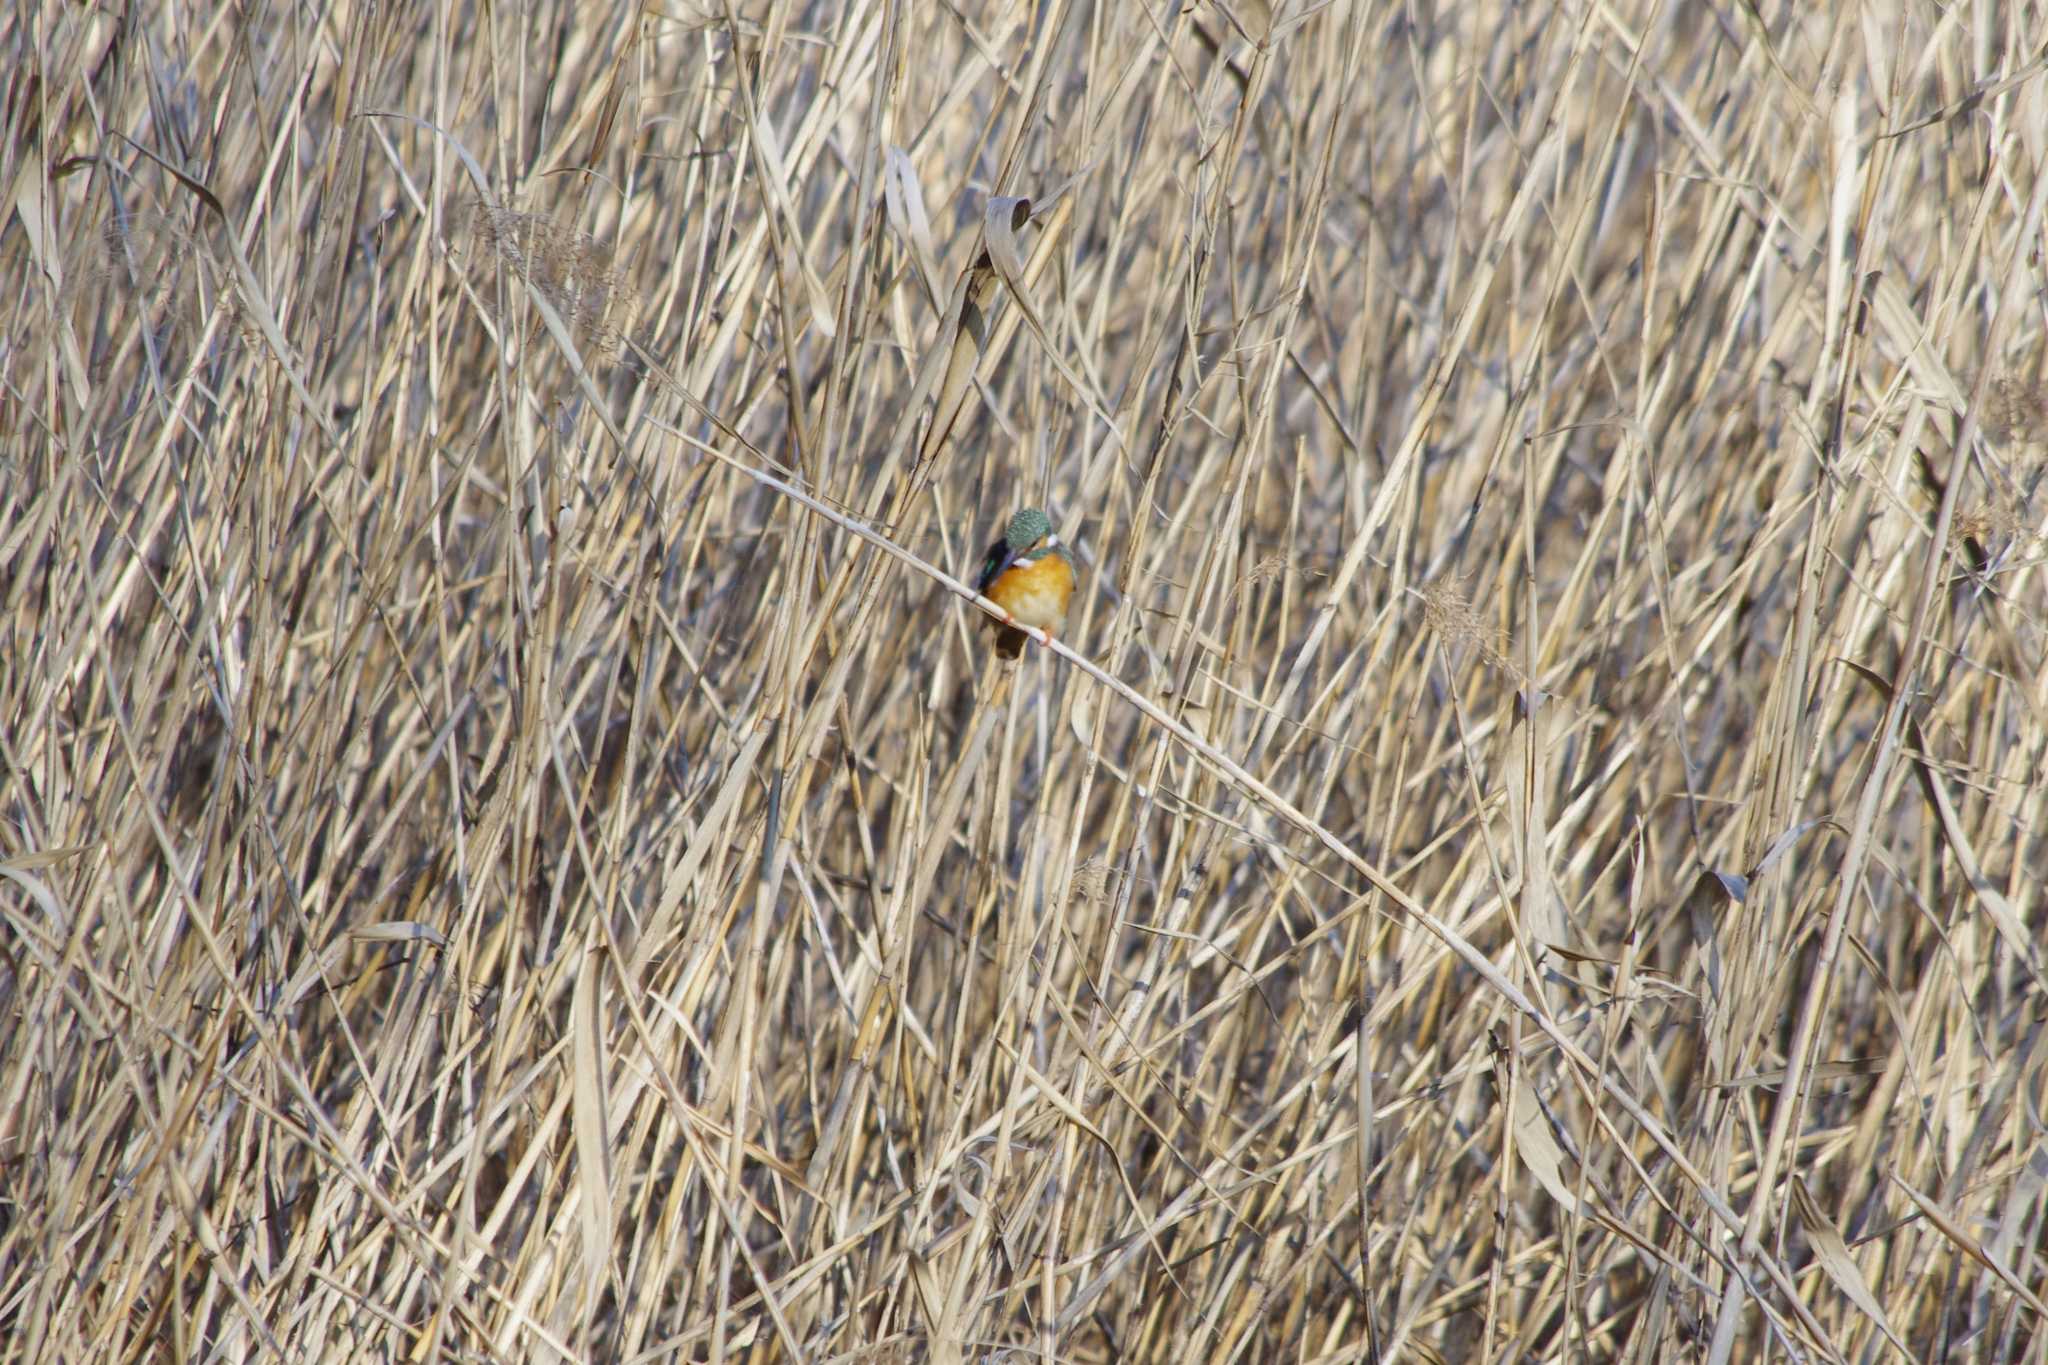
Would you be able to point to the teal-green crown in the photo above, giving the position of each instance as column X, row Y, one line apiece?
column 1027, row 528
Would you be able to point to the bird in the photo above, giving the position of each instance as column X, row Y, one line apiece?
column 1029, row 574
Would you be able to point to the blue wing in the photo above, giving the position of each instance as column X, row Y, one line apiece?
column 998, row 559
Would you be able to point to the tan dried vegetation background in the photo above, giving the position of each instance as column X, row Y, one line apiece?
column 1529, row 848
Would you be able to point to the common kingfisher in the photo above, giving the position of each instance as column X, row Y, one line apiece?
column 1029, row 575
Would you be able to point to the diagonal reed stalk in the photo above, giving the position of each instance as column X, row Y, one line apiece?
column 514, row 844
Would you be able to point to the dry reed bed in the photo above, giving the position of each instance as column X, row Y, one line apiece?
column 1524, row 853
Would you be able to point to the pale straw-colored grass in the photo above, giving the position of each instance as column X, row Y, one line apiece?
column 514, row 844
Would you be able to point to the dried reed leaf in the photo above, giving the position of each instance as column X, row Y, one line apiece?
column 1537, row 1146
column 1833, row 1254
column 593, row 1127
column 904, row 200
column 965, row 336
column 2003, row 917
column 17, row 871
column 940, row 1341
column 399, row 931
column 1970, row 1246
column 776, row 182
column 32, row 212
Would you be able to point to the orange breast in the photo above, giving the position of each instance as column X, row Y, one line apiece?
column 1036, row 594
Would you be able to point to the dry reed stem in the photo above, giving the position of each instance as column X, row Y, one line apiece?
column 1525, row 847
